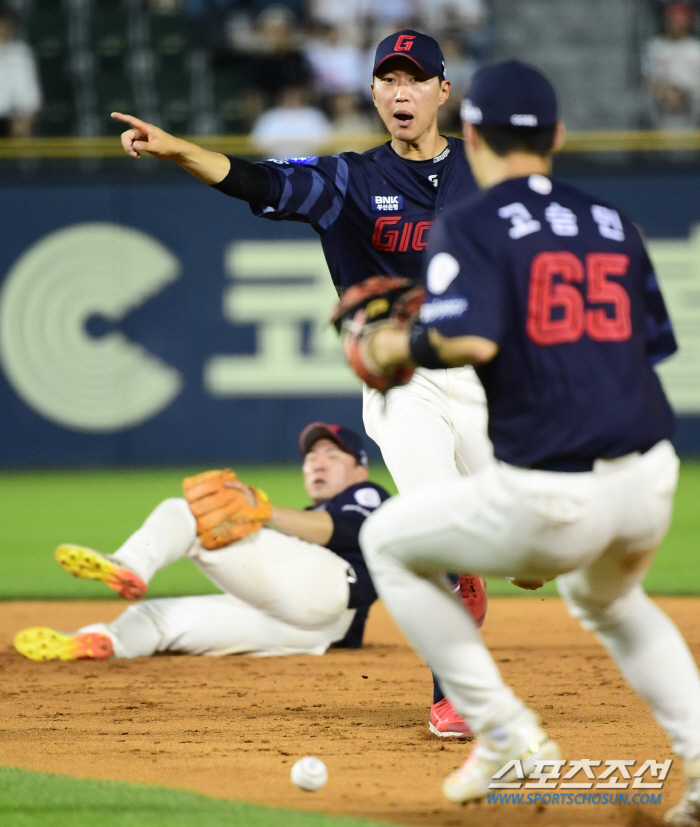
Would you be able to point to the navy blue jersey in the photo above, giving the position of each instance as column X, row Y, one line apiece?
column 349, row 510
column 373, row 211
column 562, row 283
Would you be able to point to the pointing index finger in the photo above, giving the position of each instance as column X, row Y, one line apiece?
column 129, row 119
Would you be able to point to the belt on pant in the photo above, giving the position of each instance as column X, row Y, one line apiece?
column 565, row 466
column 577, row 466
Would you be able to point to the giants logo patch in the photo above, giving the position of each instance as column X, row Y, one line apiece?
column 404, row 43
column 386, row 203
column 390, row 235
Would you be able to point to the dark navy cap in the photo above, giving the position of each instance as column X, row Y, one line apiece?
column 419, row 48
column 344, row 438
column 510, row 94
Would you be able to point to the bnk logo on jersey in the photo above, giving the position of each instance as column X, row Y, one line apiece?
column 386, row 203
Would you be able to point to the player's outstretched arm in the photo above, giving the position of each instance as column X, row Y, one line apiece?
column 389, row 349
column 210, row 167
column 312, row 526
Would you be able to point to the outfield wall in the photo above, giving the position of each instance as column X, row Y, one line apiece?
column 163, row 323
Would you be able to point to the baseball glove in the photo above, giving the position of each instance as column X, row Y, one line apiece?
column 363, row 308
column 222, row 511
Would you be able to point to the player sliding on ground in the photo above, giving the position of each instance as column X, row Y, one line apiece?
column 373, row 213
column 295, row 590
column 551, row 294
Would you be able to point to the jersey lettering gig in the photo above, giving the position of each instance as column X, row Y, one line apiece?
column 577, row 272
column 373, row 211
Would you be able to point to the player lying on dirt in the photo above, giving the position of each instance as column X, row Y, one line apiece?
column 296, row 587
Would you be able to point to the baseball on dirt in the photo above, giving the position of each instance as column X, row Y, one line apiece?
column 309, row 773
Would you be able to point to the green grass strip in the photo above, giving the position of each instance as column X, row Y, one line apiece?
column 31, row 799
column 99, row 509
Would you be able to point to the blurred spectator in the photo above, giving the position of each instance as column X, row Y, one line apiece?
column 293, row 129
column 165, row 6
column 273, row 50
column 395, row 13
column 671, row 68
column 200, row 8
column 346, row 15
column 336, row 64
column 357, row 18
column 20, row 93
column 460, row 68
column 294, row 6
column 350, row 124
column 457, row 16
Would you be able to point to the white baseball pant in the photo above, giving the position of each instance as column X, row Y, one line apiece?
column 595, row 532
column 434, row 428
column 282, row 595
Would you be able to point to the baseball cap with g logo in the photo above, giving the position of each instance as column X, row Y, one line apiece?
column 419, row 48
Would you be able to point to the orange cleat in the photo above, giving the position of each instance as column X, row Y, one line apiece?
column 41, row 643
column 91, row 565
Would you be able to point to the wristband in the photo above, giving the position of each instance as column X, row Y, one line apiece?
column 421, row 349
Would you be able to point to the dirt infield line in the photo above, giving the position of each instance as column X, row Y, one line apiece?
column 232, row 727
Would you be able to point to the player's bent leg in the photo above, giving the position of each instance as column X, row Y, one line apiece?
column 465, row 525
column 442, row 632
column 607, row 598
column 299, row 583
column 655, row 660
column 447, row 408
column 168, row 533
column 42, row 643
column 215, row 625
column 648, row 649
column 447, row 638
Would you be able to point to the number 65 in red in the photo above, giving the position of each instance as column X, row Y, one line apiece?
column 574, row 318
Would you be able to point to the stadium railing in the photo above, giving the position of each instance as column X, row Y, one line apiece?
column 110, row 147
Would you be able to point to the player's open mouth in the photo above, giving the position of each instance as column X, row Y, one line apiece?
column 404, row 117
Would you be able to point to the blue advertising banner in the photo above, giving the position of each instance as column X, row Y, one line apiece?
column 164, row 323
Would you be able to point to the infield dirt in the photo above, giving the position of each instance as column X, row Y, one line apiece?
column 232, row 727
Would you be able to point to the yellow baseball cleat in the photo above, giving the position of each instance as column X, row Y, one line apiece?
column 41, row 643
column 91, row 565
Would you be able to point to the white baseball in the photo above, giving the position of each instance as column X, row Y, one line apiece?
column 309, row 773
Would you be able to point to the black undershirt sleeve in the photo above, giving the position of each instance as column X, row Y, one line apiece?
column 248, row 181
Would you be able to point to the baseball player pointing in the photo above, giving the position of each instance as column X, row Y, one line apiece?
column 552, row 296
column 373, row 213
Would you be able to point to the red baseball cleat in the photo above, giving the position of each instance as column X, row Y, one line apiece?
column 446, row 723
column 472, row 590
